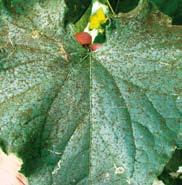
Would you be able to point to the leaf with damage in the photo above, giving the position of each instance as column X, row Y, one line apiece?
column 76, row 117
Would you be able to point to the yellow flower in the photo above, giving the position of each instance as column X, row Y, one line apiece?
column 97, row 19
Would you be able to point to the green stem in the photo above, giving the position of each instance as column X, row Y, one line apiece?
column 108, row 3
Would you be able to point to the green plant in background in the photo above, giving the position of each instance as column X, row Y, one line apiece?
column 77, row 117
column 173, row 8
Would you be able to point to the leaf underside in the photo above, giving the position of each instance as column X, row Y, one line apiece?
column 78, row 118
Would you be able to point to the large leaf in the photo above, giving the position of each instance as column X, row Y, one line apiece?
column 110, row 117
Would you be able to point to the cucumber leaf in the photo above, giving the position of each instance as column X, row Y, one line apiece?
column 77, row 117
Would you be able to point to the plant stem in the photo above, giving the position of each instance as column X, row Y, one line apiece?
column 108, row 3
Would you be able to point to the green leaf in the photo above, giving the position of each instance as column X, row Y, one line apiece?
column 170, row 176
column 75, row 10
column 172, row 8
column 83, row 21
column 78, row 118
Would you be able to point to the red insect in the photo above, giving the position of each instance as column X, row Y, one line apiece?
column 85, row 39
column 95, row 46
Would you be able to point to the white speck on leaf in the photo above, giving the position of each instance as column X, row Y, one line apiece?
column 128, row 181
column 35, row 34
column 179, row 169
column 107, row 175
column 174, row 174
column 119, row 170
column 54, row 152
column 57, row 169
column 158, row 182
